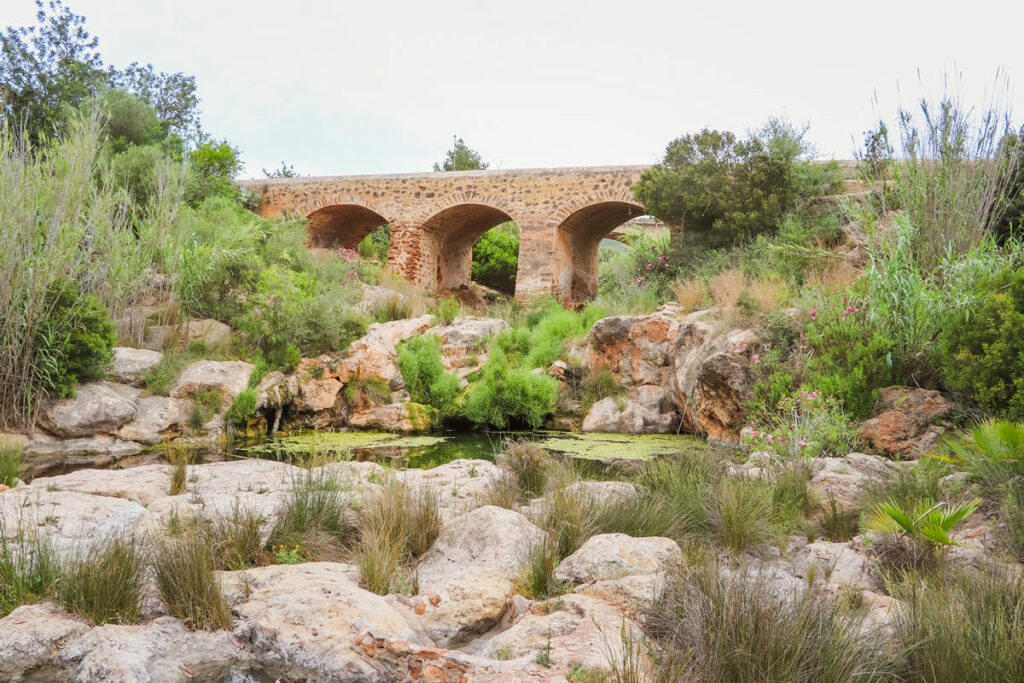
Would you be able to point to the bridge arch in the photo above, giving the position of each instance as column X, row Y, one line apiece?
column 577, row 240
column 450, row 234
column 341, row 226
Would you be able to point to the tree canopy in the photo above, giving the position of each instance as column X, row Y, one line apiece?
column 461, row 158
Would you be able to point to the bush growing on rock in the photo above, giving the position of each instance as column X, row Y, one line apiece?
column 504, row 396
column 419, row 360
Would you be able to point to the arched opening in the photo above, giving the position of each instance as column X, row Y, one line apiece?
column 453, row 233
column 578, row 239
column 342, row 226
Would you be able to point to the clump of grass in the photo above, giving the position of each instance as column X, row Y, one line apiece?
column 741, row 514
column 179, row 459
column 394, row 306
column 185, row 578
column 965, row 627
column 714, row 627
column 10, row 465
column 447, row 310
column 316, row 516
column 104, row 583
column 236, row 539
column 690, row 294
column 597, row 385
column 161, row 377
column 28, row 568
column 528, row 465
column 835, row 524
column 537, row 578
column 244, row 407
column 399, row 525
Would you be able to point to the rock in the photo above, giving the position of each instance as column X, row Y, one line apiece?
column 613, row 556
column 142, row 485
column 163, row 650
column 647, row 410
column 31, row 638
column 45, row 454
column 276, row 390
column 130, row 365
column 67, row 519
column 213, row 334
column 311, row 621
column 634, row 594
column 315, row 388
column 218, row 489
column 636, row 349
column 460, row 484
column 844, row 480
column 837, row 565
column 373, row 355
column 587, row 492
column 154, row 417
column 97, row 408
column 227, row 378
column 720, row 395
column 577, row 629
column 909, row 421
column 559, row 370
column 397, row 417
column 465, row 342
column 472, row 567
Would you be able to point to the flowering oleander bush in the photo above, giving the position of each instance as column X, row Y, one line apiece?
column 805, row 424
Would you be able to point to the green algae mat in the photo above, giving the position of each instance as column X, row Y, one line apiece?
column 597, row 446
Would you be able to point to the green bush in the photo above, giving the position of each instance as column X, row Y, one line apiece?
column 243, row 407
column 496, row 258
column 419, row 359
column 73, row 343
column 982, row 352
column 505, row 396
column 10, row 464
column 848, row 357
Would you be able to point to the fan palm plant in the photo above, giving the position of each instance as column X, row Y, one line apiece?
column 993, row 453
column 914, row 538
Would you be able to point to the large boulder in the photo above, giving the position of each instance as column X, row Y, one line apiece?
column 472, row 568
column 373, row 355
column 647, row 409
column 31, row 638
column 844, row 480
column 313, row 622
column 636, row 349
column 100, row 407
column 465, row 342
column 162, row 651
column 574, row 629
column 155, row 416
column 129, row 365
column 66, row 519
column 613, row 556
column 460, row 485
column 227, row 378
column 909, row 421
column 396, row 417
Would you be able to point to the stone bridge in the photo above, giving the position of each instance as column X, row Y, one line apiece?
column 562, row 213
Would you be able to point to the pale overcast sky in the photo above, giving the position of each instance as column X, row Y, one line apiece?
column 378, row 87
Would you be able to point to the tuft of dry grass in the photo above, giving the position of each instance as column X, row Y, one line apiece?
column 690, row 294
column 104, row 583
column 726, row 288
column 768, row 293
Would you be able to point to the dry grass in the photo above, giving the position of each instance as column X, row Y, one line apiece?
column 726, row 288
column 690, row 294
column 834, row 276
column 768, row 293
column 104, row 583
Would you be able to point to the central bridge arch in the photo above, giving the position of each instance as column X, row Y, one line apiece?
column 454, row 231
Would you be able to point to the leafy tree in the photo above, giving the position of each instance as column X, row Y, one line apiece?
column 128, row 120
column 461, row 158
column 719, row 188
column 172, row 96
column 1011, row 214
column 212, row 166
column 496, row 258
column 45, row 67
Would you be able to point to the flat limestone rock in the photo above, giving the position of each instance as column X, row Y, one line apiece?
column 99, row 407
column 228, row 378
column 613, row 556
column 143, row 484
column 30, row 640
column 130, row 365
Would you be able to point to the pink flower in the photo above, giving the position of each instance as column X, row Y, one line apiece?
column 801, row 443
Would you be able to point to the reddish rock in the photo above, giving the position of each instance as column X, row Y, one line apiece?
column 908, row 422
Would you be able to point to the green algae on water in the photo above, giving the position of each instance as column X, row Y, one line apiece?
column 600, row 446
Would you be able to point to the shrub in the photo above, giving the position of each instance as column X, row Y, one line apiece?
column 419, row 359
column 966, row 627
column 376, row 245
column 804, row 425
column 713, row 625
column 447, row 310
column 529, row 466
column 242, row 408
column 597, row 385
column 496, row 258
column 848, row 357
column 993, row 454
column 504, row 396
column 104, row 584
column 73, row 344
column 188, row 586
column 161, row 377
column 982, row 352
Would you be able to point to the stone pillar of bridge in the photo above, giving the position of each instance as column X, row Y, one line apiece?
column 535, row 276
column 408, row 254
